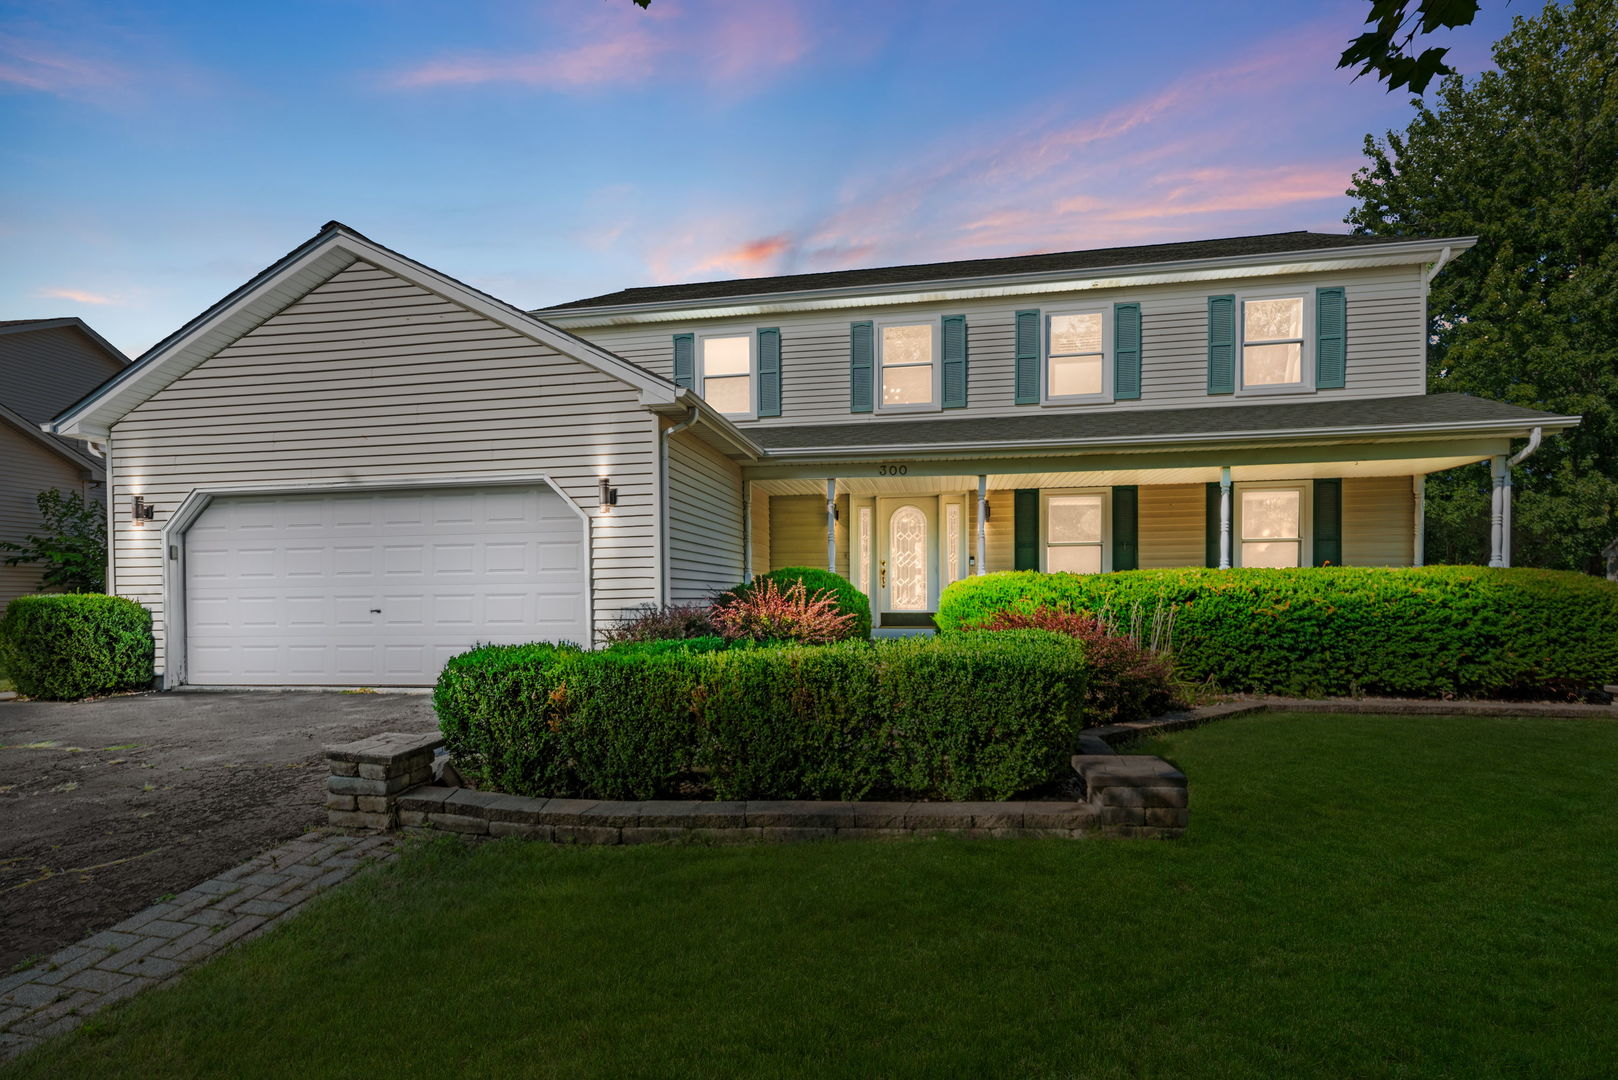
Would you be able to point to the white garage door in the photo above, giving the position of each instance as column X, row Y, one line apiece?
column 379, row 588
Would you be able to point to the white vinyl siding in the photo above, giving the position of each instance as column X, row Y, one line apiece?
column 368, row 377
column 1171, row 526
column 1386, row 344
column 761, row 532
column 798, row 532
column 705, row 520
column 1378, row 521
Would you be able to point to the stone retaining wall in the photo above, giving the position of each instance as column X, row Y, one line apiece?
column 367, row 777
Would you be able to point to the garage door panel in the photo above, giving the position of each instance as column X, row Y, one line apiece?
column 376, row 588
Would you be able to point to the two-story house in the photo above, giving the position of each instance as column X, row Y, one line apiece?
column 354, row 466
column 45, row 365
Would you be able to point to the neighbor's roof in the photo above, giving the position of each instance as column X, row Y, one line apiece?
column 1054, row 262
column 1414, row 414
column 26, row 326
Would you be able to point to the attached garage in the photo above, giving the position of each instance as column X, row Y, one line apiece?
column 377, row 587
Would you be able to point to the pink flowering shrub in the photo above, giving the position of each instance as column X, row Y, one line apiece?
column 766, row 613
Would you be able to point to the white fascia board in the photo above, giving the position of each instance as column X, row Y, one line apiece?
column 685, row 400
column 306, row 266
column 1222, row 268
column 1370, row 432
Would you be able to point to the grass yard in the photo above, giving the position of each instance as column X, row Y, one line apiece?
column 1357, row 897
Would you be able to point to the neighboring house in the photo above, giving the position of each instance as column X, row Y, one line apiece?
column 356, row 466
column 45, row 366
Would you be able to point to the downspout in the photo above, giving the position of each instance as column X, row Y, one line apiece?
column 663, row 501
column 112, row 524
column 1443, row 260
column 1512, row 462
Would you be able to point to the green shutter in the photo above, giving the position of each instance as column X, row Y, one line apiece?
column 953, row 335
column 1027, row 345
column 685, row 361
column 1126, row 527
column 1331, row 338
column 1025, row 529
column 769, row 371
column 1126, row 352
column 1221, row 344
column 861, row 350
column 1328, row 522
column 1211, row 521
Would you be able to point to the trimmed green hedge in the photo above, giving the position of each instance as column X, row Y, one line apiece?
column 850, row 601
column 76, row 645
column 984, row 716
column 1439, row 631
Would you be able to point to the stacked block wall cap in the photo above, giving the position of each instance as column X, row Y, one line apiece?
column 388, row 748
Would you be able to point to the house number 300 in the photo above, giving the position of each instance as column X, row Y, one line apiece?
column 892, row 470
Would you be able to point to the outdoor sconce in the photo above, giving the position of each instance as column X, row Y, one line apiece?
column 986, row 514
column 142, row 511
column 831, row 508
column 609, row 496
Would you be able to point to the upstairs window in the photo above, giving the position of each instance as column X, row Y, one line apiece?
column 907, row 366
column 1272, row 342
column 725, row 365
column 1076, row 356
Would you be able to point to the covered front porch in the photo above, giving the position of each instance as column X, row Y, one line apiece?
column 903, row 530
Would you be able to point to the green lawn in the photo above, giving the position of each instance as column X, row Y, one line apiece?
column 1357, row 897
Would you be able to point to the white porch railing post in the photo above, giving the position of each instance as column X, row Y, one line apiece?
column 831, row 525
column 1224, row 518
column 1497, row 548
column 1418, row 529
column 983, row 509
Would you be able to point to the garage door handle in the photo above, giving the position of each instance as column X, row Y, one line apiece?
column 376, row 611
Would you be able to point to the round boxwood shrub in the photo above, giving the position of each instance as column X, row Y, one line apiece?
column 76, row 645
column 850, row 601
column 1437, row 631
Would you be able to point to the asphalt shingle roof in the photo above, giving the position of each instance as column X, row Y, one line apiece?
column 1093, row 259
column 1124, row 425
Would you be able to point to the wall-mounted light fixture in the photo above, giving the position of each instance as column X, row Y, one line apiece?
column 141, row 511
column 608, row 497
column 986, row 514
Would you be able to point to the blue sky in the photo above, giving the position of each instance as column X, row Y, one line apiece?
column 153, row 155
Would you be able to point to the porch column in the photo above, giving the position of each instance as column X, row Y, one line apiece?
column 1500, row 493
column 1418, row 529
column 1224, row 518
column 831, row 525
column 747, row 530
column 983, row 512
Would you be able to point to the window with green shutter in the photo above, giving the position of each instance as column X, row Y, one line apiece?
column 1331, row 338
column 1126, row 349
column 1027, row 357
column 952, row 352
column 1221, row 345
column 685, row 360
column 1328, row 508
column 769, row 371
column 1025, row 529
column 1211, row 525
column 861, row 351
column 1126, row 527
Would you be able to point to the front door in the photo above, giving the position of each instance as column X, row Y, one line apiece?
column 907, row 554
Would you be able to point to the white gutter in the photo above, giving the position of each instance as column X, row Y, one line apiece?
column 1523, row 455
column 1505, row 493
column 1443, row 260
column 1448, row 427
column 663, row 500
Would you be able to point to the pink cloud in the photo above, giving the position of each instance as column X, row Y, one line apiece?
column 751, row 258
column 78, row 296
column 32, row 65
column 732, row 43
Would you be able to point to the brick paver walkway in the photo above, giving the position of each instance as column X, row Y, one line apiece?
column 61, row 992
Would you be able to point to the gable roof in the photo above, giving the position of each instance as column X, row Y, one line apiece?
column 55, row 443
column 1285, row 243
column 28, row 326
column 334, row 247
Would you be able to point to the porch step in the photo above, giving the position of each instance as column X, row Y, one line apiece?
column 902, row 631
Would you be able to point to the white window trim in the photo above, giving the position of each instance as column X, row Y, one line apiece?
column 1045, row 496
column 1306, row 516
column 699, row 368
column 1107, row 388
column 935, row 405
column 1306, row 360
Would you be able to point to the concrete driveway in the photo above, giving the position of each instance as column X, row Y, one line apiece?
column 107, row 805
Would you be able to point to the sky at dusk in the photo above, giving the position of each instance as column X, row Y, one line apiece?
column 154, row 155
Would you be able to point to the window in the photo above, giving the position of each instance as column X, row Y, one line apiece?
column 725, row 372
column 1270, row 524
column 1075, row 532
column 863, row 577
column 1272, row 342
column 1076, row 355
column 907, row 374
column 952, row 542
